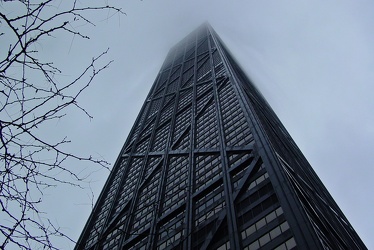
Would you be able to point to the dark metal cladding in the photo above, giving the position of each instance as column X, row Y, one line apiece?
column 208, row 165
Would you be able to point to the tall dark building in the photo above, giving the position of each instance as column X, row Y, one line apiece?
column 208, row 165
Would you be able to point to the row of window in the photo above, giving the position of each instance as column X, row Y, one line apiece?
column 266, row 238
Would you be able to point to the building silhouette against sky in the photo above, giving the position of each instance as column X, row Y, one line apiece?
column 208, row 165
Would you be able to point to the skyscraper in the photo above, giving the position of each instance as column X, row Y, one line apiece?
column 208, row 165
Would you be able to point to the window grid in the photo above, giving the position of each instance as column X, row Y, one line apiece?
column 129, row 187
column 225, row 246
column 202, row 99
column 163, row 78
column 140, row 244
column 175, row 74
column 176, row 183
column 257, row 193
column 105, row 208
column 216, row 58
column 203, row 46
column 237, row 175
column 203, row 102
column 219, row 70
column 160, row 141
column 209, row 205
column 152, row 162
column 188, row 64
column 256, row 182
column 212, row 43
column 140, row 122
column 288, row 245
column 261, row 223
column 207, row 132
column 256, row 200
column 204, row 70
column 146, row 205
column 173, row 86
column 171, row 233
column 148, row 129
column 159, row 92
column 184, row 143
column 208, row 167
column 237, row 159
column 187, row 77
column 178, row 60
column 247, row 212
column 167, row 112
column 200, row 234
column 266, row 238
column 182, row 121
column 112, row 240
column 190, row 54
column 237, row 131
column 156, row 105
column 142, row 145
column 185, row 98
column 200, row 57
column 169, row 59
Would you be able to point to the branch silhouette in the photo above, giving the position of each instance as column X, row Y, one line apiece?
column 32, row 95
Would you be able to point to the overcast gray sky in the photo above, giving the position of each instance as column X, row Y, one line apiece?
column 312, row 60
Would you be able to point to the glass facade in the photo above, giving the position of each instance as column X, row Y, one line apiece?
column 208, row 165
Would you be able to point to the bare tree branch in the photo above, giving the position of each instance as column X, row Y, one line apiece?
column 30, row 97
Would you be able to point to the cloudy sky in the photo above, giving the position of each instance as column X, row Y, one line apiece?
column 312, row 60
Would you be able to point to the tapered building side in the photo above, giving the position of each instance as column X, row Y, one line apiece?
column 208, row 165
